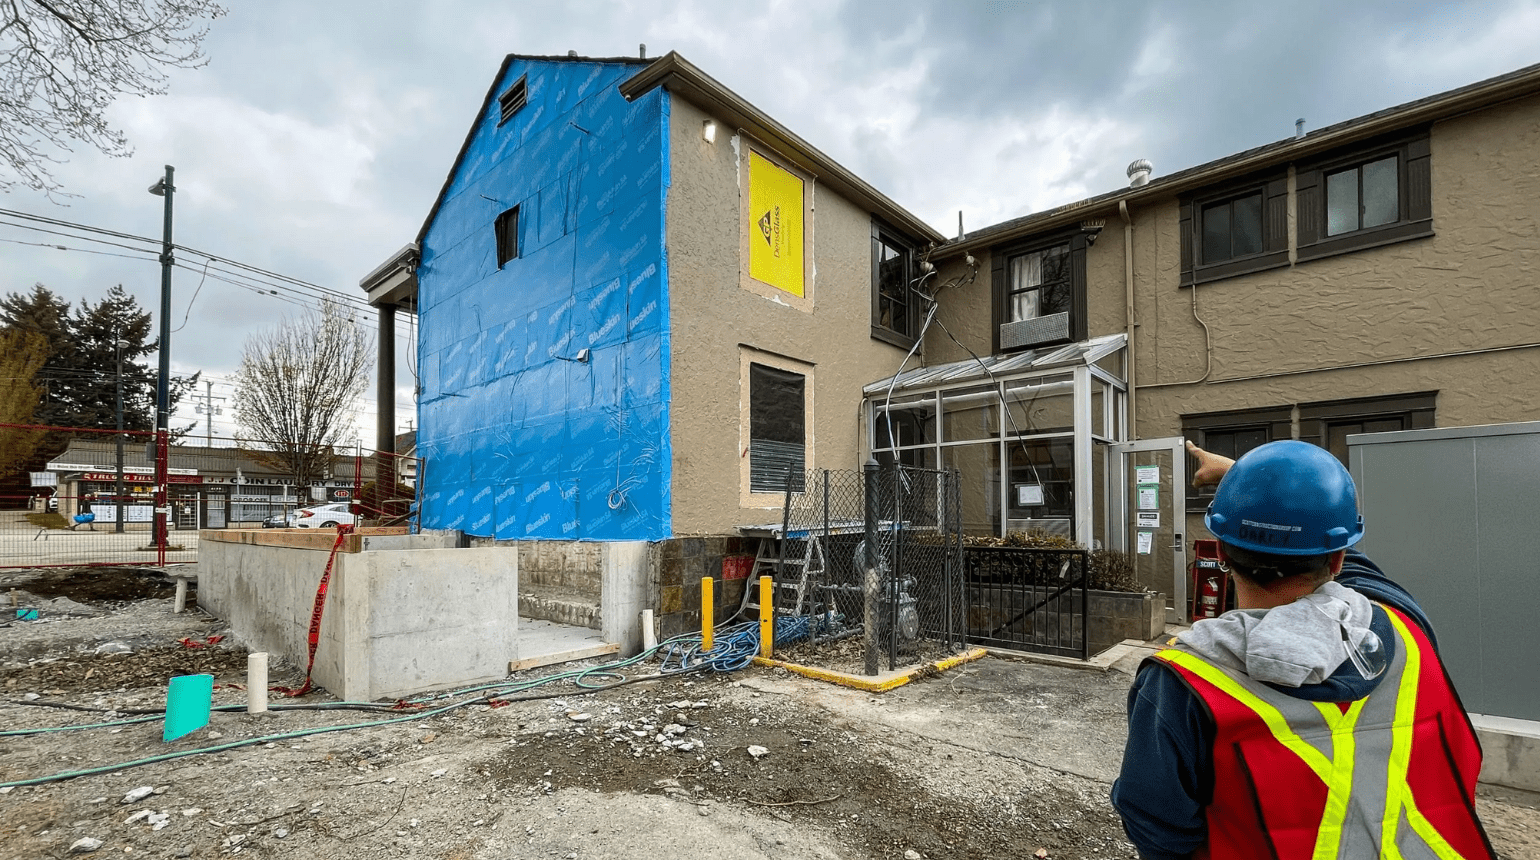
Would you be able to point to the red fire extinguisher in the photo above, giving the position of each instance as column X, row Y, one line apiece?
column 1209, row 583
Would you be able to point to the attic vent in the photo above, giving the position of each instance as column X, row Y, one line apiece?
column 513, row 100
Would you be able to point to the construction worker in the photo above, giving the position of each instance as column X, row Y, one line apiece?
column 1314, row 720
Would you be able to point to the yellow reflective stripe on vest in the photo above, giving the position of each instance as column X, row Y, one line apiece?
column 1328, row 837
column 1397, row 793
column 1271, row 716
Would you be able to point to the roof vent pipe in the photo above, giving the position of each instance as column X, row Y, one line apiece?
column 572, row 53
column 1299, row 128
column 642, row 48
column 1139, row 172
column 960, row 232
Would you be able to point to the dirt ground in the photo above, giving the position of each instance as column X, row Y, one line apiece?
column 996, row 759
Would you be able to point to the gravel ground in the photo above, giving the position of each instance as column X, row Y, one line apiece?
column 996, row 759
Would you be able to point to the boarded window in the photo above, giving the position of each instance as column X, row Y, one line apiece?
column 777, row 428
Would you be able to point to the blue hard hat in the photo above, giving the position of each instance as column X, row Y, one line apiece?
column 1286, row 498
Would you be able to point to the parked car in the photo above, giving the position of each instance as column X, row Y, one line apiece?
column 322, row 516
column 276, row 521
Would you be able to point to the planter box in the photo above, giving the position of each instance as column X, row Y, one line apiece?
column 1116, row 615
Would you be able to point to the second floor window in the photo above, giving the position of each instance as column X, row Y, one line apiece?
column 507, row 229
column 1039, row 284
column 1365, row 195
column 894, row 309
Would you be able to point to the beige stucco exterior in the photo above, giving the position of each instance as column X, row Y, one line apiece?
column 716, row 321
column 1456, row 313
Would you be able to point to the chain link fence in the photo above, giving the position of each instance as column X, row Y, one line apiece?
column 868, row 570
column 96, row 501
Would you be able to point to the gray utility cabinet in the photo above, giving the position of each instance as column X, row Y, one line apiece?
column 1453, row 514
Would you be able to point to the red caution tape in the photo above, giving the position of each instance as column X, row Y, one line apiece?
column 315, row 616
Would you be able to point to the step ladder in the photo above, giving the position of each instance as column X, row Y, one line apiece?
column 802, row 573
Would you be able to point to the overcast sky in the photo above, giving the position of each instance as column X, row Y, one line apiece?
column 314, row 141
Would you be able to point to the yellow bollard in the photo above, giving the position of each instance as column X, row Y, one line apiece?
column 766, row 616
column 707, row 603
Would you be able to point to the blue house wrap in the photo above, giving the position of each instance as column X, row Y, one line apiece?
column 525, row 439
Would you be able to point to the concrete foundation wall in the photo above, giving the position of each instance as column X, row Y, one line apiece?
column 396, row 622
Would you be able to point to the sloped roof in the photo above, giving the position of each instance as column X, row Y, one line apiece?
column 678, row 75
column 1506, row 87
column 995, row 366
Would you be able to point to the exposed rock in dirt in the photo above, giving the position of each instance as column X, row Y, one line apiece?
column 996, row 760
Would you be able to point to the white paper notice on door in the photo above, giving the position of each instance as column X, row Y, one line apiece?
column 1149, row 519
column 1146, row 474
column 1149, row 498
column 1146, row 540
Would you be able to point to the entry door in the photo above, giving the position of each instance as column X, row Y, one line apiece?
column 1149, row 504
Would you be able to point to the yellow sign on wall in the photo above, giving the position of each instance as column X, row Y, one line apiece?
column 775, row 225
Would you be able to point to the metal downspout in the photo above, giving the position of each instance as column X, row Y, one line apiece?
column 1128, row 307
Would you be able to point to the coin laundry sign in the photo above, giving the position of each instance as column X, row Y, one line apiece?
column 775, row 237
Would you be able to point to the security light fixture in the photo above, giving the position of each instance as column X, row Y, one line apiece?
column 708, row 131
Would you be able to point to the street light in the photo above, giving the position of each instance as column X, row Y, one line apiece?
column 163, row 188
column 121, row 345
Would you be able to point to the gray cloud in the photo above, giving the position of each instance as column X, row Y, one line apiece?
column 317, row 137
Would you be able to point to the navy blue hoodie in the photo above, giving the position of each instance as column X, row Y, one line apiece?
column 1168, row 771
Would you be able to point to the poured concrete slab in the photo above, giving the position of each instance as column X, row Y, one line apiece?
column 545, row 643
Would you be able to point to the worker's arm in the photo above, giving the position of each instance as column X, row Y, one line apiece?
column 1167, row 775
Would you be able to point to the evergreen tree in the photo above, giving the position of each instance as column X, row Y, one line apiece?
column 22, row 354
column 79, row 377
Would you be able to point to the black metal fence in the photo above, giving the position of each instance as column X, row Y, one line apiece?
column 874, row 555
column 1028, row 599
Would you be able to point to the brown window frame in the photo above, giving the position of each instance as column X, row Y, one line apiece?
column 904, row 337
column 1414, row 196
column 1317, row 420
column 1273, row 188
column 1000, row 287
column 1274, row 422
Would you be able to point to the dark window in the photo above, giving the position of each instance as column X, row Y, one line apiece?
column 512, row 100
column 1235, row 229
column 895, row 310
column 1040, row 292
column 777, row 428
column 507, row 229
column 1329, row 424
column 1375, row 194
column 1231, row 434
column 1232, row 229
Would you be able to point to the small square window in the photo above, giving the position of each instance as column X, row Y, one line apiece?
column 1363, row 196
column 1232, row 229
column 507, row 230
column 513, row 100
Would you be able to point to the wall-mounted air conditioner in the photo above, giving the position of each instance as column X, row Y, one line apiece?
column 1048, row 329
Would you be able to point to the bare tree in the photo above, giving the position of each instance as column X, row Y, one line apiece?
column 298, row 386
column 63, row 62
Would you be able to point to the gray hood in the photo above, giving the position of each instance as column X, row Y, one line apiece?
column 1291, row 645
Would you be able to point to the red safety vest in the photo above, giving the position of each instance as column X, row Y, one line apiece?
column 1392, row 775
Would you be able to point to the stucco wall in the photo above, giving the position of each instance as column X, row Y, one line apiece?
column 530, row 436
column 967, row 310
column 1469, row 288
column 712, row 318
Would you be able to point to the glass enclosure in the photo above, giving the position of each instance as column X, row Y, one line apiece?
column 1028, row 434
